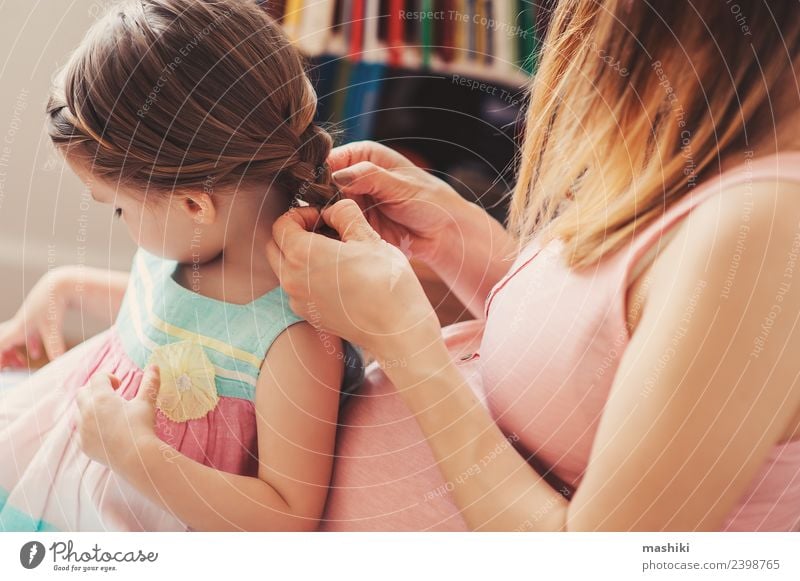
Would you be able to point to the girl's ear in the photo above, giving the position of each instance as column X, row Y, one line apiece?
column 200, row 208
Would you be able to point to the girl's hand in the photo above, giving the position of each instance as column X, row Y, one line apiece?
column 360, row 288
column 406, row 205
column 113, row 430
column 38, row 325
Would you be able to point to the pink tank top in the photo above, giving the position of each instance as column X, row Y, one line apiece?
column 554, row 338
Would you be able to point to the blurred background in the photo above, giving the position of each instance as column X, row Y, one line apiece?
column 46, row 216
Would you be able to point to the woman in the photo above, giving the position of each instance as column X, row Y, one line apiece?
column 636, row 367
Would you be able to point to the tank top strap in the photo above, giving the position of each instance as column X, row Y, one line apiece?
column 782, row 166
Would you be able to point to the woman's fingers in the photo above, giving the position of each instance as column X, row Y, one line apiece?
column 34, row 346
column 368, row 179
column 11, row 335
column 290, row 251
column 275, row 258
column 278, row 263
column 11, row 357
column 294, row 224
column 53, row 340
column 347, row 219
column 294, row 234
column 358, row 151
column 46, row 337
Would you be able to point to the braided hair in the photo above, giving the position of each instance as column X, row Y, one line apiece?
column 175, row 95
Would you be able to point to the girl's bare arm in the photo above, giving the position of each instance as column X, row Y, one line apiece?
column 94, row 291
column 297, row 401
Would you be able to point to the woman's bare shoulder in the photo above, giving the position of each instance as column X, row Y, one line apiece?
column 747, row 227
column 736, row 258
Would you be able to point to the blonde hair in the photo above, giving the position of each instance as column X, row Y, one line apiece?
column 634, row 103
column 175, row 95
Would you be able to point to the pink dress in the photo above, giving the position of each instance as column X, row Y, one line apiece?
column 543, row 365
column 210, row 354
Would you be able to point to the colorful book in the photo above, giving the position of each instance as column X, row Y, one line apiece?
column 341, row 90
column 480, row 31
column 489, row 13
column 527, row 21
column 447, row 31
column 513, row 21
column 372, row 47
column 472, row 41
column 502, row 37
column 315, row 26
column 460, row 32
column 426, row 33
column 372, row 81
column 396, row 32
column 356, row 40
column 291, row 17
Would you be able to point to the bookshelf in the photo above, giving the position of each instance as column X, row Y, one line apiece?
column 442, row 81
column 494, row 40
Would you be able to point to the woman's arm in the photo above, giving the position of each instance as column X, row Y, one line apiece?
column 421, row 214
column 678, row 442
column 38, row 324
column 709, row 383
column 95, row 291
column 474, row 254
column 297, row 399
column 697, row 403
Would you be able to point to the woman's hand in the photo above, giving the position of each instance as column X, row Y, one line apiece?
column 426, row 219
column 360, row 288
column 406, row 205
column 113, row 430
column 38, row 324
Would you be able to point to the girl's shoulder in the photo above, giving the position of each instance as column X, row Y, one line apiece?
column 159, row 311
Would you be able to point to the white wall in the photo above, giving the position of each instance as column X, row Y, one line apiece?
column 46, row 217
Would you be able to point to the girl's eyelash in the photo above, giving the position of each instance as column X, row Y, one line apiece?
column 118, row 213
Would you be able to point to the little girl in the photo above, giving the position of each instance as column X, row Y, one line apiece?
column 193, row 120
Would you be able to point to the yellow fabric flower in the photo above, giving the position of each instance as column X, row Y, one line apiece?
column 188, row 390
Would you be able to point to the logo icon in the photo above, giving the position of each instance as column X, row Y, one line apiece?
column 31, row 554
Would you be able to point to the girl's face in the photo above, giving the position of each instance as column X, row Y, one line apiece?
column 177, row 227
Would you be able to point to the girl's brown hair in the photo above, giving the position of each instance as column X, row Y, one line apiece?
column 636, row 102
column 178, row 95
